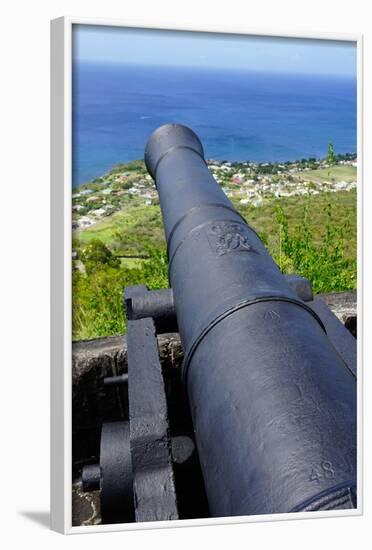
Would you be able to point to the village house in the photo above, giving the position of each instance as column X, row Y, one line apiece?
column 84, row 222
column 99, row 212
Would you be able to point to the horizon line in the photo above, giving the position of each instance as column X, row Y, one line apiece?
column 350, row 76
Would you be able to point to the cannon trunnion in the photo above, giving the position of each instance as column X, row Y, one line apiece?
column 270, row 385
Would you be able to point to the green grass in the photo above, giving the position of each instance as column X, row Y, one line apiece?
column 132, row 263
column 263, row 219
column 129, row 231
column 333, row 174
column 98, row 294
column 324, row 263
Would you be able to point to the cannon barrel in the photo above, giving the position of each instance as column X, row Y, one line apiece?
column 272, row 402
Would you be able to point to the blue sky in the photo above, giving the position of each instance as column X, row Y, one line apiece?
column 191, row 49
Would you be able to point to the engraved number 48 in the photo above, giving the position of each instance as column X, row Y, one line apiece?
column 325, row 470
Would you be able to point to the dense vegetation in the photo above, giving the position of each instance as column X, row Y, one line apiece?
column 314, row 236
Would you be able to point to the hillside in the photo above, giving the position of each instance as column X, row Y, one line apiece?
column 304, row 211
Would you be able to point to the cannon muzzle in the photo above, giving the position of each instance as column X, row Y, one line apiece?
column 272, row 402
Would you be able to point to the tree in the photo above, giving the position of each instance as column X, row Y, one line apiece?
column 96, row 254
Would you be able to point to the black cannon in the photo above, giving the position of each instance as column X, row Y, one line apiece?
column 270, row 385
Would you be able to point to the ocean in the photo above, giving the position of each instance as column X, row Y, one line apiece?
column 238, row 116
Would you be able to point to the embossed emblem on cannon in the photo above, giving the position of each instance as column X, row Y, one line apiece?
column 227, row 237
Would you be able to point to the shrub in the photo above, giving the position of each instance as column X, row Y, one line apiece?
column 324, row 264
column 98, row 308
column 96, row 254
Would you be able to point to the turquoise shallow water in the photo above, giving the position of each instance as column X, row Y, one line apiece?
column 238, row 115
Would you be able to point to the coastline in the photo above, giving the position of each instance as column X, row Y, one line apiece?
column 247, row 182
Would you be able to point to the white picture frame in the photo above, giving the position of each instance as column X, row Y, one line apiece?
column 61, row 288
